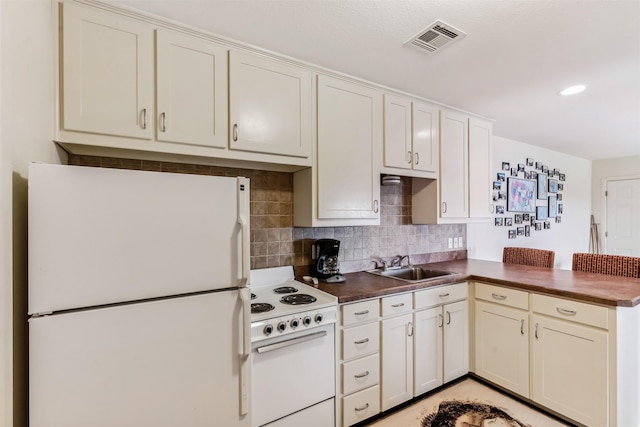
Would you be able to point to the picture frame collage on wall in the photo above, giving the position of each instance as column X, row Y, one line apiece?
column 532, row 192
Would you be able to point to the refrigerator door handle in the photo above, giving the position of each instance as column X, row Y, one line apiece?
column 243, row 213
column 245, row 374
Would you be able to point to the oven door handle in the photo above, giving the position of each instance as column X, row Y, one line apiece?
column 290, row 342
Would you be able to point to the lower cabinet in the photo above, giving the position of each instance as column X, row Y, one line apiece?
column 551, row 350
column 397, row 360
column 569, row 367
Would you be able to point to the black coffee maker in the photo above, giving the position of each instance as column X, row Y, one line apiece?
column 327, row 266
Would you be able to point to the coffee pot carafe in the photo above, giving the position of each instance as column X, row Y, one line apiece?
column 327, row 265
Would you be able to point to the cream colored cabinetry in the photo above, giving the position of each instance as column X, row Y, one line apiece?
column 463, row 191
column 343, row 188
column 410, row 137
column 441, row 337
column 397, row 350
column 269, row 106
column 358, row 394
column 191, row 88
column 502, row 337
column 107, row 74
column 569, row 359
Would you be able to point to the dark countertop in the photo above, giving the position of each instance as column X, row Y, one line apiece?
column 588, row 287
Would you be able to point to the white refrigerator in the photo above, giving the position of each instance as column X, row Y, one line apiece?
column 139, row 310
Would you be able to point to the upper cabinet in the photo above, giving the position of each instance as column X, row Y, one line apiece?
column 107, row 74
column 463, row 191
column 410, row 137
column 270, row 106
column 124, row 89
column 344, row 188
column 191, row 90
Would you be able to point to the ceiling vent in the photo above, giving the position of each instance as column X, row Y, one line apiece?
column 435, row 37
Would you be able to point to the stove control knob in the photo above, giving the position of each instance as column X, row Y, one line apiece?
column 282, row 326
column 318, row 318
column 306, row 321
column 294, row 323
column 268, row 329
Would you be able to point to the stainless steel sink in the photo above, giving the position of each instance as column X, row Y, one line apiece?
column 411, row 274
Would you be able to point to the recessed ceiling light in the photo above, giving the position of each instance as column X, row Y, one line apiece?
column 573, row 90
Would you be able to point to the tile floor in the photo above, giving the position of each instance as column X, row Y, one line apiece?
column 468, row 390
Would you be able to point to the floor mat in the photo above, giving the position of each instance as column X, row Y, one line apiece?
column 468, row 403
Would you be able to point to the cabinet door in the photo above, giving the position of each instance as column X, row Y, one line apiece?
column 269, row 106
column 569, row 369
column 107, row 73
column 425, row 137
column 454, row 160
column 480, row 132
column 456, row 340
column 191, row 90
column 397, row 361
column 397, row 132
column 349, row 143
column 427, row 355
column 502, row 346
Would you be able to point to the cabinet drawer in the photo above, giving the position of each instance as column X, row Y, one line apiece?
column 440, row 295
column 396, row 304
column 360, row 340
column 360, row 312
column 360, row 406
column 573, row 311
column 360, row 374
column 505, row 296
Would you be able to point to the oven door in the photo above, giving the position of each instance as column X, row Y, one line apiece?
column 292, row 373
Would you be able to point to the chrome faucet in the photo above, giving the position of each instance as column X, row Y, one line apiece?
column 378, row 262
column 397, row 261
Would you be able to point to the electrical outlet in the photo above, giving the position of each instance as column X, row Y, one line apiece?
column 460, row 241
column 450, row 242
column 455, row 242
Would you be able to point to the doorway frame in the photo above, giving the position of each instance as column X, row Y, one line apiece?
column 603, row 198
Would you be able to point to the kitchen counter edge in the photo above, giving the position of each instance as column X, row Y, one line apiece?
column 586, row 287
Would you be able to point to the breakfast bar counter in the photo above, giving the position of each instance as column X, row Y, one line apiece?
column 587, row 287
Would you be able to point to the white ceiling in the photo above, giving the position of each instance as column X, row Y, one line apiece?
column 515, row 58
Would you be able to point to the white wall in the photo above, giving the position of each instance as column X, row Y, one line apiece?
column 486, row 241
column 27, row 40
column 607, row 169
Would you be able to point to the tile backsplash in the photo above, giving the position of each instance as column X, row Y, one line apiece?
column 275, row 242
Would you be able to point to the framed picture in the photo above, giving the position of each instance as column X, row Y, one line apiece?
column 541, row 213
column 559, row 195
column 501, row 177
column 533, row 219
column 512, row 234
column 497, row 185
column 514, row 172
column 520, row 231
column 525, row 217
column 545, row 169
column 517, row 218
column 508, row 222
column 553, row 207
column 556, row 172
column 547, row 225
column 538, row 226
column 521, row 195
column 506, row 166
column 560, row 208
column 500, row 209
column 542, row 186
column 561, row 176
column 560, row 187
column 529, row 161
column 520, row 167
column 553, row 186
column 527, row 230
column 498, row 222
column 539, row 166
column 533, row 174
column 558, row 219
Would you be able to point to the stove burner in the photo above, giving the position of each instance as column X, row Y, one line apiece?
column 261, row 307
column 253, row 296
column 297, row 299
column 285, row 290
